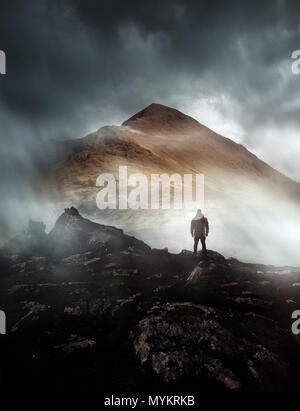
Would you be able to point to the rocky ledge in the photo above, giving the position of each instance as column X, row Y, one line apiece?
column 94, row 310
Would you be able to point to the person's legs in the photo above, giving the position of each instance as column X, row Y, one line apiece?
column 203, row 245
column 196, row 241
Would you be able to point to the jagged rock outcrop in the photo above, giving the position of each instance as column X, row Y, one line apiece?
column 104, row 307
column 211, row 264
column 181, row 340
column 74, row 234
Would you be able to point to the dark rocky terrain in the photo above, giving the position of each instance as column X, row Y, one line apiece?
column 90, row 309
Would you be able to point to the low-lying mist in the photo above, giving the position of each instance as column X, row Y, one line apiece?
column 265, row 230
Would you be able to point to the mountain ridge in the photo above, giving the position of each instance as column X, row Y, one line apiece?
column 162, row 140
column 159, row 113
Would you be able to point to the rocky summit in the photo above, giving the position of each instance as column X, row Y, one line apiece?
column 91, row 309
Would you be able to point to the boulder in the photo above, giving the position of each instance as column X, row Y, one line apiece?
column 180, row 340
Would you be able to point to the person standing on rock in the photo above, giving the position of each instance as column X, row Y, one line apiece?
column 199, row 230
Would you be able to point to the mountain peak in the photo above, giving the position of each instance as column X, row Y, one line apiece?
column 157, row 115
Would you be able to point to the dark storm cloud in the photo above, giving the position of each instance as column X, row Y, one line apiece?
column 71, row 60
column 73, row 66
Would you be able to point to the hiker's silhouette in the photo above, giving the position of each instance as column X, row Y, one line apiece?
column 199, row 230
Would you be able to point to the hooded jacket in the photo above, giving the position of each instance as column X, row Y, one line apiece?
column 200, row 227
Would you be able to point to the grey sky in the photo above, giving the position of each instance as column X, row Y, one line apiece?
column 74, row 66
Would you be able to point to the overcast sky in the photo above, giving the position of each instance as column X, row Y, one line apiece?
column 74, row 66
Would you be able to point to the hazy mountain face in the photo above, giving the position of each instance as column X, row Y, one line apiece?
column 252, row 208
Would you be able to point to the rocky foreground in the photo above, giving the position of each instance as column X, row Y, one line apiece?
column 91, row 309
